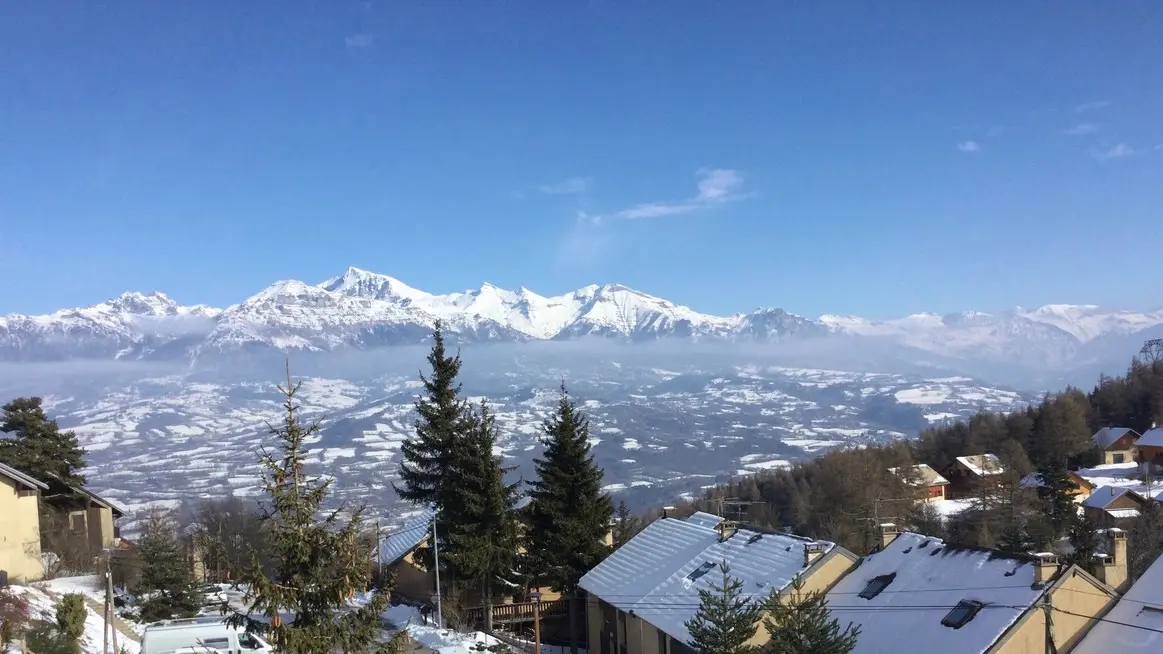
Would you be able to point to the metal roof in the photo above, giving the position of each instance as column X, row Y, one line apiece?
column 407, row 538
column 20, row 477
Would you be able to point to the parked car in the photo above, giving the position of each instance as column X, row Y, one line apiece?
column 205, row 635
column 212, row 594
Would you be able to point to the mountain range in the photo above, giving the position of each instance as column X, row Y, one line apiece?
column 361, row 310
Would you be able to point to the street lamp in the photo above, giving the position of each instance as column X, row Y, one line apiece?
column 536, row 597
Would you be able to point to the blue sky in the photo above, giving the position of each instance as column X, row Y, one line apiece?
column 842, row 157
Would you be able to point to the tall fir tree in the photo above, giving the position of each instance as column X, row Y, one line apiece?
column 165, row 577
column 726, row 620
column 626, row 524
column 1055, row 490
column 801, row 623
column 482, row 531
column 1083, row 534
column 38, row 447
column 320, row 559
column 569, row 515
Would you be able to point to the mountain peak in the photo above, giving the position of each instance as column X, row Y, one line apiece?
column 357, row 282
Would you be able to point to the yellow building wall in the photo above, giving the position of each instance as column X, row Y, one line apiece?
column 100, row 525
column 593, row 624
column 821, row 578
column 1077, row 595
column 19, row 533
column 1109, row 456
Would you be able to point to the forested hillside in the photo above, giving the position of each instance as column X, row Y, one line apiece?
column 843, row 495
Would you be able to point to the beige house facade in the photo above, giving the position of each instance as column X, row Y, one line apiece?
column 20, row 560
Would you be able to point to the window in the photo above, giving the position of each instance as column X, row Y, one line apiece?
column 220, row 644
column 876, row 585
column 701, row 570
column 962, row 613
column 77, row 521
column 1118, row 458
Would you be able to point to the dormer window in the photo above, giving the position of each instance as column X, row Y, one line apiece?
column 876, row 585
column 701, row 570
column 962, row 613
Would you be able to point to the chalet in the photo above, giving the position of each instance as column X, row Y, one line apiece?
column 1080, row 487
column 930, row 484
column 1115, row 444
column 1150, row 446
column 981, row 601
column 1109, row 504
column 397, row 554
column 968, row 473
column 86, row 514
column 1135, row 624
column 640, row 597
column 19, row 526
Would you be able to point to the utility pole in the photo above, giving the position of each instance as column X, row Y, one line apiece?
column 108, row 605
column 1047, row 611
column 379, row 553
column 109, row 613
column 536, row 622
column 436, row 566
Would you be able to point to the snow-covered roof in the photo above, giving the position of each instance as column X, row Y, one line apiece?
column 1035, row 481
column 1151, row 438
column 982, row 464
column 1102, row 497
column 658, row 574
column 921, row 474
column 703, row 519
column 926, row 580
column 1135, row 624
column 406, row 538
column 1104, row 437
column 21, row 478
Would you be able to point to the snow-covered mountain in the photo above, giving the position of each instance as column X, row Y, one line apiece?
column 361, row 310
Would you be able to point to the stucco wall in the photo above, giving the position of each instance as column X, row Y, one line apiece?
column 1075, row 595
column 19, row 533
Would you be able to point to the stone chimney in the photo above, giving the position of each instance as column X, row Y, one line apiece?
column 1112, row 567
column 727, row 529
column 813, row 551
column 1045, row 568
column 668, row 511
column 888, row 533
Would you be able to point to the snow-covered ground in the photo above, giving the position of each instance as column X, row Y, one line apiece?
column 1122, row 475
column 43, row 597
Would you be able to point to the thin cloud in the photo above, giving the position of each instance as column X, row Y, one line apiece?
column 969, row 147
column 1082, row 129
column 571, row 186
column 1120, row 151
column 716, row 186
column 359, row 41
column 1086, row 107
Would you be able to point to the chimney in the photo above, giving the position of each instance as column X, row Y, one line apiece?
column 1045, row 568
column 813, row 551
column 668, row 511
column 727, row 529
column 1112, row 568
column 888, row 533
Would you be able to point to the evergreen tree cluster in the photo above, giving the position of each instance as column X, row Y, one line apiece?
column 485, row 542
column 838, row 495
column 36, row 445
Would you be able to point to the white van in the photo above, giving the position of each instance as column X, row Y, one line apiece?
column 204, row 635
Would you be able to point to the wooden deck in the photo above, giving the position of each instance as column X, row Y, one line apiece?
column 517, row 613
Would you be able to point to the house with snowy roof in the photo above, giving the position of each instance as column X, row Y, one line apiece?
column 967, row 474
column 930, row 484
column 397, row 555
column 1135, row 624
column 1150, row 446
column 1107, row 505
column 938, row 597
column 1115, row 444
column 641, row 596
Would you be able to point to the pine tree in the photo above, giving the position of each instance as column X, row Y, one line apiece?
column 1083, row 535
column 626, row 525
column 320, row 561
column 482, row 532
column 38, row 447
column 71, row 615
column 568, row 513
column 1055, row 492
column 726, row 619
column 165, row 577
column 802, row 624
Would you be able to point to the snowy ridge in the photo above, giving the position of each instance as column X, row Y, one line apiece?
column 361, row 310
